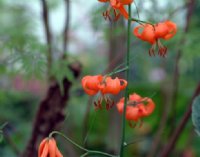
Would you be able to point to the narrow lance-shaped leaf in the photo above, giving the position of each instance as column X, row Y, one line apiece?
column 196, row 114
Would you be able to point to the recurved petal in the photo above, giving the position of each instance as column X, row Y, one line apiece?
column 126, row 2
column 41, row 147
column 103, row 0
column 52, row 147
column 123, row 84
column 172, row 29
column 123, row 11
column 90, row 84
column 45, row 150
column 135, row 97
column 120, row 106
column 132, row 114
column 58, row 153
column 87, row 90
column 145, row 33
column 136, row 31
column 150, row 106
column 111, row 86
column 161, row 30
column 115, row 4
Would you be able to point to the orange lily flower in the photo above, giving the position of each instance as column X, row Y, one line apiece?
column 118, row 8
column 112, row 86
column 137, row 107
column 147, row 34
column 165, row 30
column 91, row 84
column 153, row 34
column 103, row 85
column 48, row 148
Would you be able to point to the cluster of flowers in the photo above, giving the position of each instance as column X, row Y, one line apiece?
column 137, row 107
column 152, row 34
column 147, row 32
column 103, row 85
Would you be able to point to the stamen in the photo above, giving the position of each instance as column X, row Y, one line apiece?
column 151, row 51
column 162, row 50
column 112, row 104
column 117, row 15
column 107, row 106
column 100, row 103
column 106, row 15
column 132, row 124
column 96, row 106
column 140, row 123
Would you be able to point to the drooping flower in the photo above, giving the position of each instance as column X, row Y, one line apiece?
column 137, row 107
column 48, row 148
column 112, row 86
column 91, row 84
column 103, row 85
column 153, row 33
column 118, row 7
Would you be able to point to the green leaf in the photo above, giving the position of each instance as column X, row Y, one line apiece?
column 59, row 74
column 196, row 114
column 1, row 131
column 1, row 136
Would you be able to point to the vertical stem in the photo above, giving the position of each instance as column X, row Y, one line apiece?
column 127, row 78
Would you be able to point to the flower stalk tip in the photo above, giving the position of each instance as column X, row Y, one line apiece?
column 48, row 148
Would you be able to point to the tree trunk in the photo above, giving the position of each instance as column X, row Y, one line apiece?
column 50, row 113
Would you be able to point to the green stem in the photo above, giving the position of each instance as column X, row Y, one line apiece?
column 127, row 78
column 88, row 152
column 85, row 154
column 133, row 142
column 140, row 21
column 118, row 71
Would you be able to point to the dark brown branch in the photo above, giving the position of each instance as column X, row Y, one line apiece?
column 175, row 86
column 45, row 17
column 181, row 126
column 166, row 95
column 50, row 113
column 66, row 28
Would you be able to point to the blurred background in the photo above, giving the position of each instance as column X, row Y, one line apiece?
column 46, row 47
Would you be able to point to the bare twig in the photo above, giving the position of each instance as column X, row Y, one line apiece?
column 45, row 16
column 66, row 28
column 163, row 120
column 180, row 8
column 11, row 143
column 181, row 126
